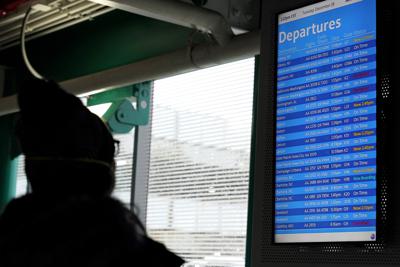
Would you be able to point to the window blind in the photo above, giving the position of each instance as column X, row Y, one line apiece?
column 199, row 164
column 124, row 167
column 22, row 183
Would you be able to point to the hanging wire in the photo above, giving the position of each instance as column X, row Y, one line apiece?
column 23, row 49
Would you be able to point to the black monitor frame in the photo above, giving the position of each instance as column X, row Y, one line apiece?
column 379, row 123
column 385, row 251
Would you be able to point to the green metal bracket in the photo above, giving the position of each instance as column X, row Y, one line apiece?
column 129, row 108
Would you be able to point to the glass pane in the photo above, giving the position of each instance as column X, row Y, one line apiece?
column 22, row 182
column 199, row 163
column 124, row 163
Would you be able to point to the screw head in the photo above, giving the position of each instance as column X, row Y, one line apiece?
column 143, row 104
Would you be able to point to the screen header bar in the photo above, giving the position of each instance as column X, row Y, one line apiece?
column 314, row 9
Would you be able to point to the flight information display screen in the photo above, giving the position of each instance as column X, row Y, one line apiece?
column 325, row 164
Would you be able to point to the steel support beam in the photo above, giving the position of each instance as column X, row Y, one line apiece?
column 179, row 13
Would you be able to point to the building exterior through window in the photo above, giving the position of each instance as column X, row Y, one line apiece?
column 199, row 164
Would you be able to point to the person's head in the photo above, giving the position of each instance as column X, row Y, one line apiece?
column 68, row 149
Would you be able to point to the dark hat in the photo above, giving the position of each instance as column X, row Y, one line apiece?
column 56, row 129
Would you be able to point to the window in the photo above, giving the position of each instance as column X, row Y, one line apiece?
column 22, row 182
column 199, row 163
column 124, row 164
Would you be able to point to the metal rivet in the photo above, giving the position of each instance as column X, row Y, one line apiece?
column 143, row 104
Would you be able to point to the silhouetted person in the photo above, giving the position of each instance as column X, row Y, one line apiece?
column 70, row 219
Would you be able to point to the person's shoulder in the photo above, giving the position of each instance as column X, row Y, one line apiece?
column 14, row 219
column 147, row 251
column 158, row 255
column 21, row 201
column 18, row 207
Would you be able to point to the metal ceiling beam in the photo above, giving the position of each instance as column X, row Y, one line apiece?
column 60, row 14
column 179, row 13
column 56, row 26
column 178, row 62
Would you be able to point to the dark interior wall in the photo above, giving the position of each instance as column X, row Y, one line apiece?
column 114, row 39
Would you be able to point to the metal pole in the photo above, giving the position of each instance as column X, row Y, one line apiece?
column 179, row 13
column 141, row 166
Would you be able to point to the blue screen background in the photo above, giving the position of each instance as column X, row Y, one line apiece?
column 325, row 178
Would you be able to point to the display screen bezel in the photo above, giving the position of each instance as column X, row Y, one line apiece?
column 379, row 235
